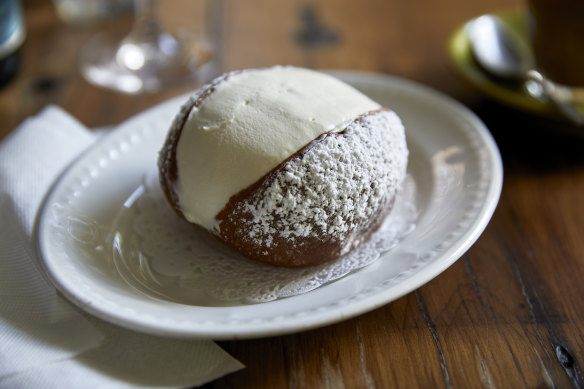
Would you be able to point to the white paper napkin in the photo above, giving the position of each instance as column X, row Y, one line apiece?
column 44, row 341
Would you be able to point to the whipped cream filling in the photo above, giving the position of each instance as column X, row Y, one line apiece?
column 249, row 124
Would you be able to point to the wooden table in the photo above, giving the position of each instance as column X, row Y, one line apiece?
column 508, row 314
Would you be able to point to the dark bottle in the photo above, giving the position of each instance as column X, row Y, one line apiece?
column 12, row 33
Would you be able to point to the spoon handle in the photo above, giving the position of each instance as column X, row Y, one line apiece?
column 540, row 87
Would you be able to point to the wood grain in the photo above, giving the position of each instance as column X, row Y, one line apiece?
column 508, row 314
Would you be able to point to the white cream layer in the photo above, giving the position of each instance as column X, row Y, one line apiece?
column 252, row 122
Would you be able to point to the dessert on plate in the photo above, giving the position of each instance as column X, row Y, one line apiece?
column 290, row 166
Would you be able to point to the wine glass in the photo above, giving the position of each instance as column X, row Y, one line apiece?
column 147, row 59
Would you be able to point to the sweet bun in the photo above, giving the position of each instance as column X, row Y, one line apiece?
column 290, row 166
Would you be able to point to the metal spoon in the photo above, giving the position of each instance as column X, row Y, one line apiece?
column 500, row 51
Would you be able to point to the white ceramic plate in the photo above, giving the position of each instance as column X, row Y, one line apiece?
column 453, row 160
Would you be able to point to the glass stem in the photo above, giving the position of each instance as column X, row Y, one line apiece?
column 146, row 27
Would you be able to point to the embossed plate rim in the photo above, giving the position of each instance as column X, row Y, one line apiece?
column 435, row 124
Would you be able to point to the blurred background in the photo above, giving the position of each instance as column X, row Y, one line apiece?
column 410, row 39
column 407, row 39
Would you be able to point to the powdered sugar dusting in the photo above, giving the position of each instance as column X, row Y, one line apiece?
column 334, row 188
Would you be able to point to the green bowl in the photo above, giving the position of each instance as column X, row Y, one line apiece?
column 504, row 91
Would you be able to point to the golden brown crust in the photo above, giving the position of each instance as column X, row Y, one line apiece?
column 306, row 251
column 168, row 171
